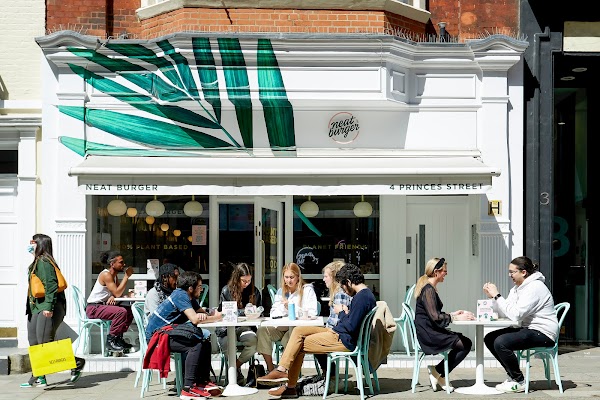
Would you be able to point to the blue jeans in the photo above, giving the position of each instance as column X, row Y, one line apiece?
column 504, row 342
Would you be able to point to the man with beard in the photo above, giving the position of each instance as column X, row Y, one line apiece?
column 322, row 340
column 163, row 287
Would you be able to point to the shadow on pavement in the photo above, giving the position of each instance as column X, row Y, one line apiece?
column 87, row 381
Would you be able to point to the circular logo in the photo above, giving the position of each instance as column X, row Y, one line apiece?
column 343, row 128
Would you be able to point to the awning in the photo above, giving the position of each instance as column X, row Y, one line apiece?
column 283, row 175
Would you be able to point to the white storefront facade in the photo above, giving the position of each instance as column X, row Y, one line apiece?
column 261, row 129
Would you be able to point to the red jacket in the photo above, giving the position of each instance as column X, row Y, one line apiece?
column 158, row 354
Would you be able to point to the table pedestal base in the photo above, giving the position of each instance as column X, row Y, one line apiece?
column 478, row 388
column 237, row 390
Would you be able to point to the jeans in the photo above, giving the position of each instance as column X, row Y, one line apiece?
column 197, row 363
column 504, row 342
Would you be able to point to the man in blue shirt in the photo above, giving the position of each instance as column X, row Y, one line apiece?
column 322, row 340
column 180, row 307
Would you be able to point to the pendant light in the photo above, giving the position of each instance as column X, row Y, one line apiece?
column 155, row 208
column 132, row 212
column 193, row 208
column 176, row 233
column 150, row 219
column 363, row 208
column 309, row 208
column 164, row 227
column 116, row 207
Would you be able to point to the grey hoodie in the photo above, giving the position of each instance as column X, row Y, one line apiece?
column 532, row 304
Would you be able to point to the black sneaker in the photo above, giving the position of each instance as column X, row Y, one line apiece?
column 76, row 372
column 126, row 346
column 113, row 344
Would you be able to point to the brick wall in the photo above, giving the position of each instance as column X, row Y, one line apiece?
column 465, row 19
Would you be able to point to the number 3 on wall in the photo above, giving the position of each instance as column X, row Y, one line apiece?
column 560, row 236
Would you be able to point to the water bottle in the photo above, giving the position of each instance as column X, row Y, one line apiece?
column 291, row 311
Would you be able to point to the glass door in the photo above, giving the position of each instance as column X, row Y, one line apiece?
column 268, row 240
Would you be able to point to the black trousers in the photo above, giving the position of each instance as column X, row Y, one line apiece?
column 503, row 343
column 197, row 359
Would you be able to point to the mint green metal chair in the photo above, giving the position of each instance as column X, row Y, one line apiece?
column 547, row 354
column 272, row 292
column 402, row 321
column 419, row 354
column 361, row 366
column 203, row 295
column 85, row 324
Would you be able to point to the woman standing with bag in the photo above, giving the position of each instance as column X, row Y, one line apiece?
column 45, row 314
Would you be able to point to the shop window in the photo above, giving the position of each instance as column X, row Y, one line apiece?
column 9, row 161
column 143, row 239
column 337, row 233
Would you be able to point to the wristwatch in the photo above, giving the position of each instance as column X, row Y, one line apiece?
column 496, row 297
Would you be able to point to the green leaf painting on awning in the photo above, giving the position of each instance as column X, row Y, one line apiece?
column 162, row 84
column 83, row 147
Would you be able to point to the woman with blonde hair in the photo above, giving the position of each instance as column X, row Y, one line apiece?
column 293, row 290
column 431, row 323
column 339, row 302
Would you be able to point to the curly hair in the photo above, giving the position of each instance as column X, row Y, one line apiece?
column 235, row 283
column 350, row 273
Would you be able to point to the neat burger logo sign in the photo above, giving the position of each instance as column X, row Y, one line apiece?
column 343, row 128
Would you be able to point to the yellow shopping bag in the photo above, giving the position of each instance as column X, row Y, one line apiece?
column 51, row 357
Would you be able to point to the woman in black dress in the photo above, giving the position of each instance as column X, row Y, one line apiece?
column 431, row 323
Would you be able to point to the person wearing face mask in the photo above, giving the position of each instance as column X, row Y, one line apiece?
column 241, row 290
column 163, row 287
column 294, row 290
column 45, row 314
column 101, row 302
column 530, row 302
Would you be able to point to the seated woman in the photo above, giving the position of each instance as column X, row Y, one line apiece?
column 294, row 290
column 530, row 302
column 339, row 302
column 431, row 323
column 241, row 290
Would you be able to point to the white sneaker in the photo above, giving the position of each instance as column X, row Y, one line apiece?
column 500, row 384
column 510, row 386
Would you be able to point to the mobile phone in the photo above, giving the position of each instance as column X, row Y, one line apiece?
column 280, row 316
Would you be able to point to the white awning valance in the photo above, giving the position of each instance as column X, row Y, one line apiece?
column 283, row 175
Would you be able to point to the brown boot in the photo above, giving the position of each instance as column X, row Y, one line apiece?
column 284, row 392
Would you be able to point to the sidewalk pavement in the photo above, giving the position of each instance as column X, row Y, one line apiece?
column 580, row 372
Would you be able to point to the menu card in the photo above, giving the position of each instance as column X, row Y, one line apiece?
column 230, row 311
column 485, row 309
column 140, row 288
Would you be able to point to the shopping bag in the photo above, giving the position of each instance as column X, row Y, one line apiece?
column 51, row 357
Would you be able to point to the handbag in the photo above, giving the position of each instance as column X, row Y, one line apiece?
column 51, row 357
column 37, row 287
column 311, row 386
column 255, row 371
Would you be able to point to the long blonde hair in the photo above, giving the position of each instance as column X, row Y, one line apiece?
column 333, row 268
column 294, row 269
column 429, row 272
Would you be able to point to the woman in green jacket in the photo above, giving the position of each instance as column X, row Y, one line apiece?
column 45, row 314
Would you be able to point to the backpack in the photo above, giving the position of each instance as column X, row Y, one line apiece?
column 311, row 385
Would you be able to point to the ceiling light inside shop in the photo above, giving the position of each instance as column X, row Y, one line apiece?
column 363, row 208
column 309, row 208
column 116, row 207
column 149, row 219
column 579, row 69
column 567, row 78
column 155, row 208
column 164, row 227
column 193, row 208
column 176, row 233
column 190, row 239
column 131, row 212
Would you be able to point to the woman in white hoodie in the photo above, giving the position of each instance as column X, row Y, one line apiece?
column 294, row 290
column 530, row 302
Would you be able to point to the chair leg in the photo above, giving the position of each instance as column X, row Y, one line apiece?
column 415, row 377
column 447, row 372
column 327, row 377
column 557, row 373
column 145, row 382
column 359, row 378
column 527, row 365
column 346, row 378
column 367, row 375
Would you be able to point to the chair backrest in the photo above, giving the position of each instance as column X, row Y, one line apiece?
column 79, row 303
column 409, row 293
column 561, row 312
column 140, row 306
column 410, row 317
column 364, row 335
column 203, row 295
column 140, row 320
column 318, row 308
column 272, row 292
